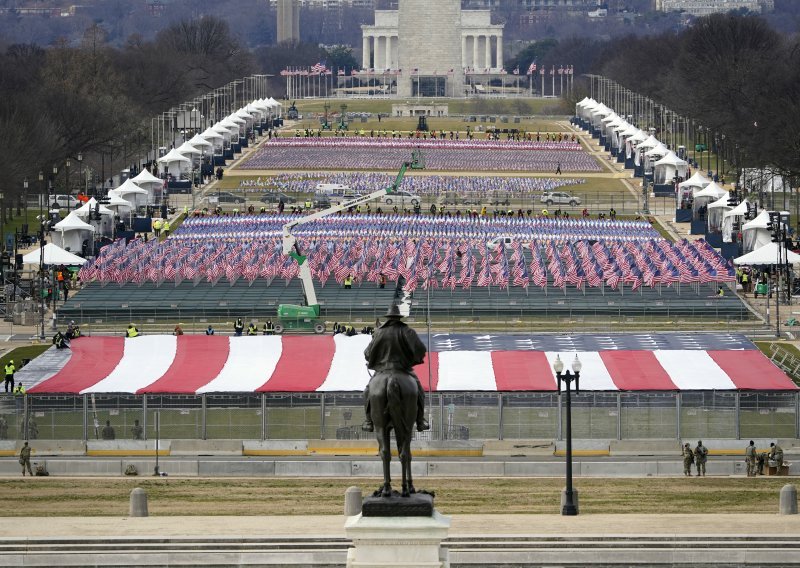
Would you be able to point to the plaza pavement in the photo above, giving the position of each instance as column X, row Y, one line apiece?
column 462, row 525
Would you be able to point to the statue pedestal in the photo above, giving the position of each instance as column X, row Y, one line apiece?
column 397, row 542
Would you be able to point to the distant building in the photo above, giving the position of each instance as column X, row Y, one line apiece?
column 429, row 58
column 288, row 20
column 701, row 8
column 538, row 5
column 331, row 4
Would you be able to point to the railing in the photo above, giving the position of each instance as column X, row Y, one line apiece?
column 785, row 360
column 453, row 416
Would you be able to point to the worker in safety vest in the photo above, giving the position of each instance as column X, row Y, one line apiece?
column 252, row 329
column 10, row 368
column 157, row 227
column 132, row 331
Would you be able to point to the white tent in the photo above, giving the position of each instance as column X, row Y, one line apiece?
column 131, row 193
column 697, row 180
column 716, row 213
column 276, row 105
column 53, row 255
column 199, row 142
column 87, row 208
column 175, row 163
column 768, row 254
column 105, row 225
column 71, row 232
column 755, row 233
column 668, row 167
column 730, row 217
column 702, row 198
column 153, row 185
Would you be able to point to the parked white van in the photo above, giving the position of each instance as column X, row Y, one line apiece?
column 65, row 201
column 331, row 189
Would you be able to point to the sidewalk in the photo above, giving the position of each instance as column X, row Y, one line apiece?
column 462, row 525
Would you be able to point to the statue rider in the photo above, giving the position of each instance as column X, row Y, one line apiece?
column 395, row 347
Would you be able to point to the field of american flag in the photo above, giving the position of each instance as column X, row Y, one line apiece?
column 425, row 250
column 368, row 153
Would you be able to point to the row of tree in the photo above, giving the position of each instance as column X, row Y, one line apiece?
column 95, row 100
column 733, row 75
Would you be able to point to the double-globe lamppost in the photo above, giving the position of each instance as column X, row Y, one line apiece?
column 44, row 202
column 569, row 507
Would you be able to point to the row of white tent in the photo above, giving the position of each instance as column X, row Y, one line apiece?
column 216, row 138
column 706, row 195
column 632, row 142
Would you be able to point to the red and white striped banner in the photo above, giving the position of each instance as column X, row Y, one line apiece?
column 191, row 364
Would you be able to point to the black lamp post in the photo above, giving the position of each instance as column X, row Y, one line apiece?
column 569, row 508
column 80, row 172
column 25, row 197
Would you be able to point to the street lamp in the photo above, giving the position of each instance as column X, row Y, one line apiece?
column 44, row 199
column 25, row 197
column 67, row 163
column 569, row 508
column 80, row 172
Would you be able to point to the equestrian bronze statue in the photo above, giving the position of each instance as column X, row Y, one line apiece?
column 394, row 399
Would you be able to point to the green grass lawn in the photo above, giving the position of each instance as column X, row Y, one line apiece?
column 49, row 496
column 20, row 353
column 509, row 106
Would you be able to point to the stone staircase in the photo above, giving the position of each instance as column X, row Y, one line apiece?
column 465, row 551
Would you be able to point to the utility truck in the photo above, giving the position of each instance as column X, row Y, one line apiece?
column 306, row 317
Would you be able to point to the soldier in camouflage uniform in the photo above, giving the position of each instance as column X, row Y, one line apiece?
column 688, row 459
column 700, row 458
column 750, row 458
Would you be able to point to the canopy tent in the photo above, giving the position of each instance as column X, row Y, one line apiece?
column 89, row 207
column 175, row 163
column 702, row 198
column 71, row 232
column 199, row 142
column 716, row 213
column 153, row 185
column 768, row 254
column 730, row 218
column 276, row 106
column 118, row 204
column 131, row 193
column 697, row 181
column 755, row 233
column 216, row 138
column 105, row 224
column 669, row 167
column 53, row 256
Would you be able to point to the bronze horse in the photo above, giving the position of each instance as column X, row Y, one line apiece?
column 393, row 406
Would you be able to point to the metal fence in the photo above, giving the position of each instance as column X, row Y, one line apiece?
column 476, row 416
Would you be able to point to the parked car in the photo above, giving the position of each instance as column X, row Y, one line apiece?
column 402, row 197
column 276, row 197
column 228, row 197
column 560, row 198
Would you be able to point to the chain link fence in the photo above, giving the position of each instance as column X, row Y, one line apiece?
column 453, row 416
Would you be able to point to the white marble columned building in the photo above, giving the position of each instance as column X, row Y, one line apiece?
column 432, row 43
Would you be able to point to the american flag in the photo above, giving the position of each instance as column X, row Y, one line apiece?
column 531, row 69
column 319, row 68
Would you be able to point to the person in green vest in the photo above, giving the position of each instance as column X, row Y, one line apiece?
column 10, row 368
column 348, row 282
column 157, row 227
column 165, row 228
column 132, row 331
column 19, row 390
column 252, row 329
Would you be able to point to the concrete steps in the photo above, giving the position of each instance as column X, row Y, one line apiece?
column 465, row 551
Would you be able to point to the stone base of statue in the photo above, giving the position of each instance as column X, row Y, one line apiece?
column 405, row 539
